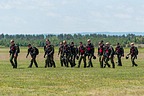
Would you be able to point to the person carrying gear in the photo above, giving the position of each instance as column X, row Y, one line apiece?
column 33, row 51
column 108, row 54
column 133, row 53
column 14, row 50
column 49, row 52
column 81, row 52
column 74, row 53
column 89, row 52
column 100, row 53
column 60, row 53
column 119, row 51
column 66, row 53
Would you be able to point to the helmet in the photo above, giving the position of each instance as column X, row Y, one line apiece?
column 127, row 57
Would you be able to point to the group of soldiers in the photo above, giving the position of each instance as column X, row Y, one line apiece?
column 68, row 54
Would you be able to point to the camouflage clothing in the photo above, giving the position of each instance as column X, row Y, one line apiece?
column 49, row 52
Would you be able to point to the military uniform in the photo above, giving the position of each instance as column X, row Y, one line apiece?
column 49, row 52
column 100, row 54
column 74, row 53
column 33, row 53
column 108, row 54
column 133, row 53
column 60, row 53
column 90, row 53
column 81, row 51
column 119, row 51
column 66, row 54
column 13, row 54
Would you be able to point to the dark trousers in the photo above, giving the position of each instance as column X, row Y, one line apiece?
column 84, row 60
column 119, row 60
column 72, row 60
column 14, row 64
column 49, row 62
column 33, row 60
column 101, row 61
column 90, row 60
column 133, row 60
column 61, row 60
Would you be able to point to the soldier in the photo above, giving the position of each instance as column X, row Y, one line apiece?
column 74, row 53
column 33, row 51
column 133, row 53
column 49, row 51
column 89, row 52
column 60, row 53
column 14, row 50
column 66, row 53
column 108, row 54
column 100, row 53
column 81, row 51
column 119, row 51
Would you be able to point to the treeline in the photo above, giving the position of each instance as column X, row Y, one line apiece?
column 39, row 40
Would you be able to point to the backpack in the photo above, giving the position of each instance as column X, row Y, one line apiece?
column 17, row 48
column 136, row 51
column 36, row 50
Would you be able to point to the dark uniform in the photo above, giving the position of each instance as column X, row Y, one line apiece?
column 108, row 54
column 49, row 52
column 13, row 54
column 90, row 53
column 100, row 53
column 60, row 53
column 66, row 54
column 119, row 51
column 32, row 51
column 82, row 55
column 133, row 53
column 74, row 53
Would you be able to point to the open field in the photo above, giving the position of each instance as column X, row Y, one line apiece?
column 61, row 81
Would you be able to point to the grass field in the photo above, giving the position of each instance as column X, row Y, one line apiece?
column 61, row 81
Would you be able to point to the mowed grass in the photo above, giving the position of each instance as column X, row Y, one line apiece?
column 62, row 81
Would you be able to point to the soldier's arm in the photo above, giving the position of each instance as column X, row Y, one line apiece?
column 27, row 53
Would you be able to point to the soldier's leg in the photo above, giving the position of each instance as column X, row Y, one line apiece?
column 133, row 61
column 31, row 63
column 112, row 61
column 46, row 63
column 11, row 61
column 106, row 61
column 79, row 62
column 61, row 61
column 15, row 60
column 52, row 61
column 35, row 62
column 84, row 60
column 90, row 61
column 119, row 60
column 101, row 61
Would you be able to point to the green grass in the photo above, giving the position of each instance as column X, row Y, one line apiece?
column 61, row 81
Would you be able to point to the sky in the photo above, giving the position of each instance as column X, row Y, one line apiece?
column 70, row 16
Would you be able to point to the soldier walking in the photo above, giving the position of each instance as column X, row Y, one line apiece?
column 119, row 51
column 100, row 53
column 133, row 53
column 14, row 50
column 108, row 55
column 89, row 52
column 49, row 52
column 74, row 53
column 66, row 54
column 82, row 55
column 60, row 53
column 33, row 51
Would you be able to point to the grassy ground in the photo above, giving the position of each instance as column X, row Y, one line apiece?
column 61, row 81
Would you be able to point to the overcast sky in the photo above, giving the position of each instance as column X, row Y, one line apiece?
column 66, row 16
